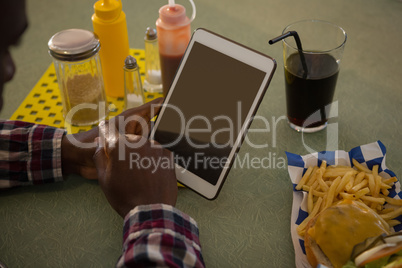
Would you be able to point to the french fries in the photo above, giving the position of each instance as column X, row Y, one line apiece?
column 327, row 185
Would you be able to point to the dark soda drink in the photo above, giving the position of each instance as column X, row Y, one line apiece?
column 307, row 97
column 169, row 65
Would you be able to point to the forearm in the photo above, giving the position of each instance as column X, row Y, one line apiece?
column 160, row 235
column 29, row 154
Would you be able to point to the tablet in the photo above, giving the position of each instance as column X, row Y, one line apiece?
column 209, row 107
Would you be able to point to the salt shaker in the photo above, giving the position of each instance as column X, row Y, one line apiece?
column 153, row 77
column 134, row 94
column 79, row 75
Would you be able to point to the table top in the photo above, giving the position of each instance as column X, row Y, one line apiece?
column 70, row 224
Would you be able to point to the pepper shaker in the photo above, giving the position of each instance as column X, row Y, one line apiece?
column 134, row 94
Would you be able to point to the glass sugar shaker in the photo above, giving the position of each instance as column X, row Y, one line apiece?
column 134, row 93
column 153, row 76
column 79, row 75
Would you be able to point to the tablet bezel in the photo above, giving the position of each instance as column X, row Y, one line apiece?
column 246, row 55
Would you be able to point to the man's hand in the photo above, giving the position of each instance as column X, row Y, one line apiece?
column 77, row 150
column 134, row 171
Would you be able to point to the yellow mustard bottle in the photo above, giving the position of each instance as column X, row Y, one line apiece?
column 109, row 24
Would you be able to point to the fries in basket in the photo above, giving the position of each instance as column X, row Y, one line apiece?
column 327, row 185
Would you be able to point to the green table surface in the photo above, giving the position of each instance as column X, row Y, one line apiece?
column 70, row 224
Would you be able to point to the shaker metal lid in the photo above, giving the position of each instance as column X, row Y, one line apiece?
column 73, row 45
column 150, row 34
column 130, row 62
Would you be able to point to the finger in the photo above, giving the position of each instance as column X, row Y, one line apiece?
column 150, row 109
column 136, row 141
column 100, row 158
column 108, row 135
column 155, row 108
column 103, row 129
column 133, row 137
column 101, row 140
column 144, row 114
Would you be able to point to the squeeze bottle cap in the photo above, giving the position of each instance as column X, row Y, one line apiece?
column 108, row 10
column 172, row 14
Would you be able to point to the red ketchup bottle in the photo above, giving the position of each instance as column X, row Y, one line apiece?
column 174, row 32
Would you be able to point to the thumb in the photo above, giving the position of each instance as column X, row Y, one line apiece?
column 150, row 109
column 142, row 125
column 100, row 158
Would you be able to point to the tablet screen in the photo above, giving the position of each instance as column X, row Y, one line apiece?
column 201, row 125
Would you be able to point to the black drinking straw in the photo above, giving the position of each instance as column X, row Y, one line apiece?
column 299, row 46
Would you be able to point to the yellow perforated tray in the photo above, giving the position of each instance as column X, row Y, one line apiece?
column 43, row 104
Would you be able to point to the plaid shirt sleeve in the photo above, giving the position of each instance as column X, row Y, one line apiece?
column 29, row 154
column 160, row 235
